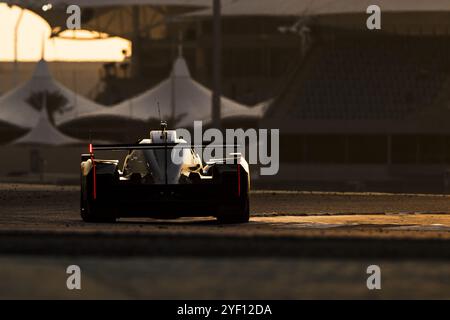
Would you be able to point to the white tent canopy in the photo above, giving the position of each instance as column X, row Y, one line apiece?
column 180, row 98
column 21, row 115
column 44, row 133
column 16, row 107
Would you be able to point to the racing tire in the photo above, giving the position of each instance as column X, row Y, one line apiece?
column 239, row 215
column 91, row 213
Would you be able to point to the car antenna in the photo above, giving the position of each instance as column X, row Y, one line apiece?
column 164, row 136
column 160, row 118
column 163, row 123
column 159, row 112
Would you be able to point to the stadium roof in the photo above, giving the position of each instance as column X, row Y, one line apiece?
column 321, row 7
column 44, row 133
column 105, row 3
column 113, row 17
column 19, row 106
column 181, row 99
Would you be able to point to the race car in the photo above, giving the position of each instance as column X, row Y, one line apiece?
column 150, row 184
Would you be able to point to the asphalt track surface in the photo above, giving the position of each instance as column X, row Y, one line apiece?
column 42, row 219
column 297, row 245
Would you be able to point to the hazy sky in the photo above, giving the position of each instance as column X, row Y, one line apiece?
column 30, row 39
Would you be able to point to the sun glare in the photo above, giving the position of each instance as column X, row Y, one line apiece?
column 33, row 35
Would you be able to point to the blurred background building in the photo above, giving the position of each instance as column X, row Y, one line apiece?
column 357, row 109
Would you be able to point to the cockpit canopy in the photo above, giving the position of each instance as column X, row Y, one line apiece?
column 156, row 166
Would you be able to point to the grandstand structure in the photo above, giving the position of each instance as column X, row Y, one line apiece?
column 367, row 109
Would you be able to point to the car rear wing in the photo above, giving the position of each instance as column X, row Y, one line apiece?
column 155, row 146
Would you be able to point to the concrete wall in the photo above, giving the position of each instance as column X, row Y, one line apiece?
column 17, row 160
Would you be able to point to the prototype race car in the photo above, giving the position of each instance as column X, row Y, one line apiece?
column 152, row 185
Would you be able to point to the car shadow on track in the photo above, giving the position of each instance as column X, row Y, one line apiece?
column 198, row 222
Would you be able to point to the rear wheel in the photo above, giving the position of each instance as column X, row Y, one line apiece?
column 93, row 213
column 240, row 214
